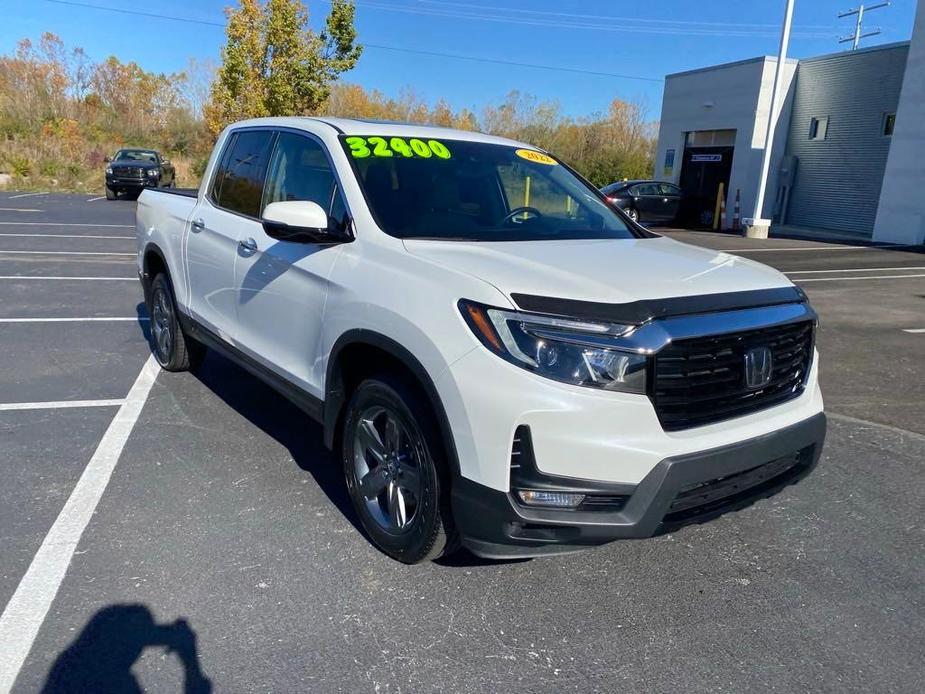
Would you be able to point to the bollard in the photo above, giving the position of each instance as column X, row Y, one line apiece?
column 717, row 212
column 736, row 212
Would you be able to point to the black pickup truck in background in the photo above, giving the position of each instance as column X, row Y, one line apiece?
column 133, row 170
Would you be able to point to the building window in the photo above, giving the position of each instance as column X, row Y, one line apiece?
column 889, row 123
column 818, row 128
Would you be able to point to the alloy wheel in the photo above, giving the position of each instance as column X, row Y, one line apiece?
column 162, row 324
column 387, row 457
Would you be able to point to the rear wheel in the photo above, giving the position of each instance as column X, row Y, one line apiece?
column 174, row 350
column 110, row 193
column 395, row 471
column 632, row 214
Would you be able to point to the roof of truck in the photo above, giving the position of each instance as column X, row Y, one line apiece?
column 357, row 126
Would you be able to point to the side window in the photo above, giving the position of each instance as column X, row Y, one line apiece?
column 238, row 183
column 299, row 170
column 646, row 189
column 818, row 128
column 668, row 189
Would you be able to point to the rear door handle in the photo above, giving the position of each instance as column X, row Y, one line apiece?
column 198, row 224
column 248, row 245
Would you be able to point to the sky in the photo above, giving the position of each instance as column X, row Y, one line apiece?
column 635, row 44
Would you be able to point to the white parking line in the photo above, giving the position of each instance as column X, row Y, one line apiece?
column 24, row 614
column 18, row 209
column 67, row 224
column 914, row 331
column 851, row 279
column 89, row 279
column 66, row 253
column 55, row 405
column 95, row 199
column 833, row 247
column 68, row 236
column 105, row 319
column 26, row 195
column 859, row 269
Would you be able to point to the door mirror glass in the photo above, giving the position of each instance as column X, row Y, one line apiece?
column 298, row 221
column 107, row 159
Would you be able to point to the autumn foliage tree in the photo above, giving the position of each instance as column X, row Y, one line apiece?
column 273, row 64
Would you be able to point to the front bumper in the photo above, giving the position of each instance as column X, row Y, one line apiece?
column 118, row 183
column 679, row 490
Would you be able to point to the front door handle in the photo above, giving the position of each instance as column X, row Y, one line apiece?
column 198, row 224
column 247, row 245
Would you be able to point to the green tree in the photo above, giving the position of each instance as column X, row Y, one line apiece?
column 273, row 64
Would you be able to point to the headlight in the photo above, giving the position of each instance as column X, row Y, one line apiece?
column 154, row 172
column 109, row 170
column 571, row 351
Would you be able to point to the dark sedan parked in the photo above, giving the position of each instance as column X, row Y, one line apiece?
column 133, row 170
column 646, row 201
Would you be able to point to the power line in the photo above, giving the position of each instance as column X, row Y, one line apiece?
column 680, row 22
column 453, row 56
column 615, row 27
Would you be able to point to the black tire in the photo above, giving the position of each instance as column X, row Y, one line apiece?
column 429, row 532
column 632, row 214
column 173, row 349
column 110, row 193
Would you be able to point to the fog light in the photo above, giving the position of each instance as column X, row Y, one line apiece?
column 555, row 499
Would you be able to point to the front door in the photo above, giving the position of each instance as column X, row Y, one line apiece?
column 282, row 285
column 226, row 213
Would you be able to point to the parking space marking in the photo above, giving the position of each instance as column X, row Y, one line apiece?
column 26, row 195
column 24, row 614
column 19, row 209
column 857, row 269
column 914, row 331
column 89, row 279
column 15, row 406
column 95, row 199
column 103, row 319
column 833, row 247
column 66, row 253
column 67, row 224
column 851, row 279
column 66, row 236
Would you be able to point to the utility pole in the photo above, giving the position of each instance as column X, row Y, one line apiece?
column 855, row 39
column 756, row 227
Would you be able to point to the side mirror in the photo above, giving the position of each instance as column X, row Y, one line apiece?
column 165, row 162
column 299, row 221
column 107, row 159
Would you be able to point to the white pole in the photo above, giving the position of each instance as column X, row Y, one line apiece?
column 760, row 224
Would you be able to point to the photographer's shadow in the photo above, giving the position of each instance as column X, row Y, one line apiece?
column 101, row 657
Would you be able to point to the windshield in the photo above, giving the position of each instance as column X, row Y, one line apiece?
column 476, row 191
column 144, row 155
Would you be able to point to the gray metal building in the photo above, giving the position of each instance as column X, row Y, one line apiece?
column 833, row 135
column 841, row 121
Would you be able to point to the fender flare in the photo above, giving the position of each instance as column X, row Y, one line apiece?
column 335, row 397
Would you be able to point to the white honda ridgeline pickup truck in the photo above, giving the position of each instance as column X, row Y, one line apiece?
column 498, row 358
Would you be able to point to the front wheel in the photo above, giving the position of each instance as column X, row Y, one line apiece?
column 110, row 193
column 394, row 467
column 632, row 214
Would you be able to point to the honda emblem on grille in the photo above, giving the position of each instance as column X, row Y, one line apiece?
column 759, row 366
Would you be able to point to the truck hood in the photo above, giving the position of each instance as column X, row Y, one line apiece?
column 609, row 271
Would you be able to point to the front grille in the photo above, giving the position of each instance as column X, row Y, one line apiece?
column 701, row 380
column 128, row 171
column 723, row 493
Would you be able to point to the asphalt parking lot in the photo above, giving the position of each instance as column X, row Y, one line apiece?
column 223, row 543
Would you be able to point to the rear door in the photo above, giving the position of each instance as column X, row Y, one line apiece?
column 671, row 201
column 282, row 285
column 227, row 213
column 648, row 200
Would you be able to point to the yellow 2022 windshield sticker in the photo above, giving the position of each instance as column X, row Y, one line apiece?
column 363, row 147
column 536, row 157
